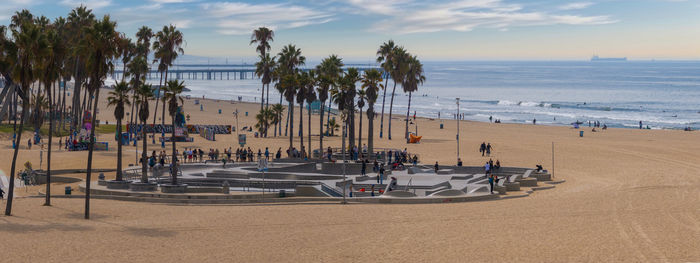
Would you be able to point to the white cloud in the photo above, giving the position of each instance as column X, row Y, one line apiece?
column 386, row 7
column 236, row 18
column 467, row 15
column 92, row 4
column 575, row 6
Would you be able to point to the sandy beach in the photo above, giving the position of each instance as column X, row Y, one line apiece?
column 630, row 195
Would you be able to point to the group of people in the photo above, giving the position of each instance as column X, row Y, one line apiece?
column 197, row 155
column 485, row 149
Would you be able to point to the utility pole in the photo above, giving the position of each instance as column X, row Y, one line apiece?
column 457, row 128
column 552, row 159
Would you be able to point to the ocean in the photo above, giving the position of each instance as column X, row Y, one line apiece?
column 661, row 94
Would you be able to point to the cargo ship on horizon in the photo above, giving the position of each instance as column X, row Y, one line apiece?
column 597, row 58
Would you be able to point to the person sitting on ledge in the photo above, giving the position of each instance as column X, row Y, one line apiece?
column 539, row 168
column 459, row 162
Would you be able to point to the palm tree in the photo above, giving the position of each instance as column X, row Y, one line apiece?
column 126, row 50
column 264, row 118
column 310, row 97
column 277, row 111
column 351, row 77
column 290, row 59
column 328, row 72
column 29, row 44
column 143, row 49
column 263, row 36
column 52, row 66
column 119, row 97
column 79, row 19
column 384, row 56
column 414, row 77
column 398, row 71
column 371, row 82
column 305, row 83
column 101, row 42
column 263, row 69
column 167, row 46
column 332, row 125
column 361, row 98
column 144, row 93
column 290, row 84
column 172, row 95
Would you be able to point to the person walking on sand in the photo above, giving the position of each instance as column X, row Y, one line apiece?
column 482, row 148
column 380, row 177
column 488, row 149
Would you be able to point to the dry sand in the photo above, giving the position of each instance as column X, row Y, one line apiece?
column 630, row 195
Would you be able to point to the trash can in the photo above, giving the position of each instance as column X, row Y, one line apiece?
column 580, row 133
column 283, row 193
column 441, row 126
column 69, row 190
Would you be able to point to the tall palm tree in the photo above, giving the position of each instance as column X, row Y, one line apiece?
column 310, row 97
column 263, row 36
column 143, row 49
column 172, row 95
column 263, row 69
column 101, row 42
column 167, row 46
column 290, row 59
column 52, row 66
column 328, row 73
column 79, row 19
column 384, row 56
column 351, row 77
column 371, row 82
column 144, row 93
column 304, row 84
column 398, row 71
column 414, row 76
column 290, row 83
column 29, row 44
column 361, row 98
column 119, row 97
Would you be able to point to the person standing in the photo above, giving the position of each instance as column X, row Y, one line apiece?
column 267, row 154
column 491, row 182
column 437, row 167
column 487, row 169
column 364, row 167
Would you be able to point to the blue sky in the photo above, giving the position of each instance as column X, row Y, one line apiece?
column 433, row 30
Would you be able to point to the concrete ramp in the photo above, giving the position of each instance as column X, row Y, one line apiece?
column 448, row 192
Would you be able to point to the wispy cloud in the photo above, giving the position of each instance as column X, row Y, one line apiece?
column 93, row 4
column 236, row 18
column 576, row 6
column 467, row 15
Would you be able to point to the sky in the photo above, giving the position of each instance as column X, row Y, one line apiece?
column 432, row 30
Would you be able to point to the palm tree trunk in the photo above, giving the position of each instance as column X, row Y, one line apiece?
column 267, row 102
column 47, row 202
column 262, row 97
column 155, row 112
column 408, row 113
column 309, row 131
column 320, row 129
column 11, row 187
column 119, row 149
column 328, row 118
column 370, row 130
column 63, row 105
column 162, row 118
column 290, row 127
column 91, row 147
column 301, row 128
column 174, row 170
column 144, row 168
column 391, row 108
column 359, row 136
column 381, row 124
